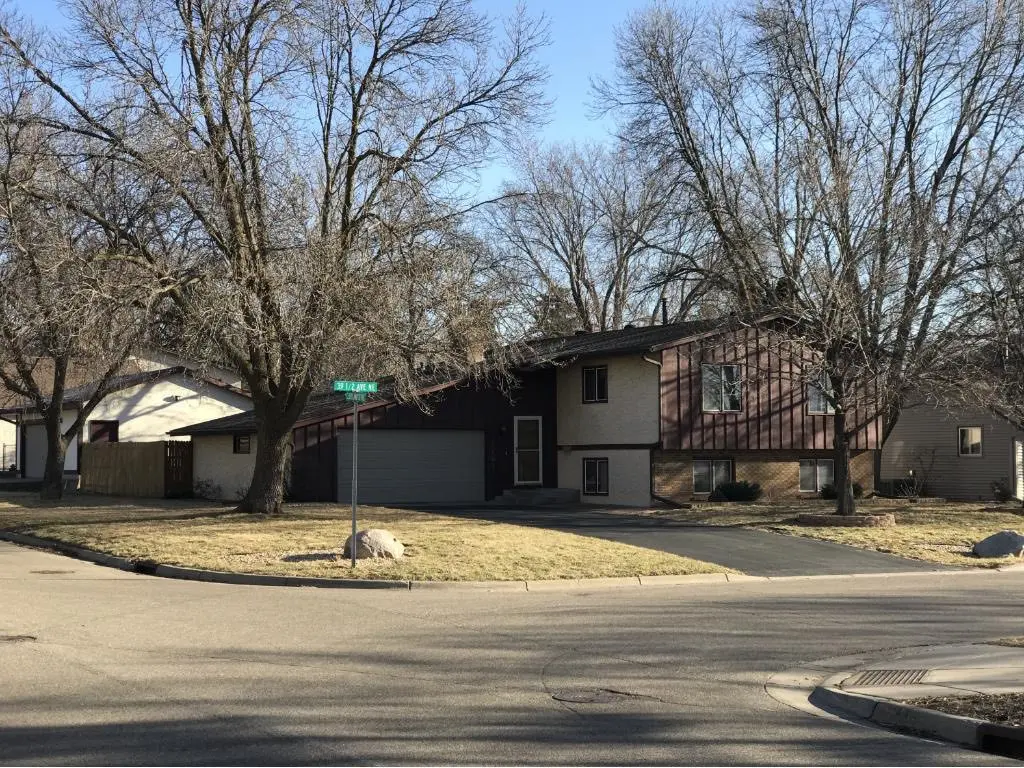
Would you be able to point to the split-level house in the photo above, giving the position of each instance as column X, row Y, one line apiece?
column 625, row 417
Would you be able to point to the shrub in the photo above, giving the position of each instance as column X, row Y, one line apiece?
column 1001, row 490
column 718, row 495
column 740, row 490
column 828, row 491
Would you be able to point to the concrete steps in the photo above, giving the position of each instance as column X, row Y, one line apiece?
column 537, row 497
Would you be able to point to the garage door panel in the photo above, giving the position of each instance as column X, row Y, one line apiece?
column 408, row 466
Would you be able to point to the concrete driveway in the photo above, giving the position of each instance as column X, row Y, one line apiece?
column 759, row 553
column 101, row 667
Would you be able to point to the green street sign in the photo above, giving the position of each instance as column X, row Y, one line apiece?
column 355, row 386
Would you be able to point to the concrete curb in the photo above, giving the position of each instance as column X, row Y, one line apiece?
column 149, row 568
column 968, row 731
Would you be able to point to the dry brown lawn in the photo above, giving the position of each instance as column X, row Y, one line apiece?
column 307, row 539
column 935, row 531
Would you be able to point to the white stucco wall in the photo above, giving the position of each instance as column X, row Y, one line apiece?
column 218, row 472
column 146, row 413
column 149, row 411
column 629, row 475
column 631, row 415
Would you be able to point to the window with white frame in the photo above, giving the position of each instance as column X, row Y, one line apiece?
column 817, row 396
column 970, row 441
column 721, row 387
column 708, row 474
column 815, row 474
column 595, row 384
column 595, row 477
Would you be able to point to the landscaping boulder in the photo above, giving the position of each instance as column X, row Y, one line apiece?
column 1000, row 544
column 375, row 542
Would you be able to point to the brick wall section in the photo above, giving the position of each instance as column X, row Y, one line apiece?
column 778, row 472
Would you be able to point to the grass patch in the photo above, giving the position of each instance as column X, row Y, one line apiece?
column 1009, row 642
column 307, row 539
column 937, row 532
column 1002, row 708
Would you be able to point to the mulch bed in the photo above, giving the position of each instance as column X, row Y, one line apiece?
column 1003, row 708
column 883, row 520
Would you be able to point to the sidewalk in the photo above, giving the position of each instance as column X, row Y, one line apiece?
column 875, row 688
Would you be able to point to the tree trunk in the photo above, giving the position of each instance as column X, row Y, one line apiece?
column 56, row 449
column 273, row 458
column 845, row 502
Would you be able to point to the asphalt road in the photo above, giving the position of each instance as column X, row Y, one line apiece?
column 127, row 669
column 759, row 553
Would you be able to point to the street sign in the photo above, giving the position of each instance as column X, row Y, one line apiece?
column 355, row 386
column 355, row 393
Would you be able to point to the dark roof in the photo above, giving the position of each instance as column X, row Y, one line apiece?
column 624, row 341
column 77, row 396
column 538, row 353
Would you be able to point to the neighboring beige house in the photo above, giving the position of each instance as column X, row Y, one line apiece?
column 144, row 408
column 956, row 452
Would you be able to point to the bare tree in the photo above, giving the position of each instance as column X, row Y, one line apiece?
column 582, row 232
column 846, row 155
column 64, row 300
column 299, row 141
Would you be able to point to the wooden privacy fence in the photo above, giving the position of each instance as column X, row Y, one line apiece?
column 150, row 470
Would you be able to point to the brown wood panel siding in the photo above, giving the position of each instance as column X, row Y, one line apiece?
column 774, row 413
column 669, row 411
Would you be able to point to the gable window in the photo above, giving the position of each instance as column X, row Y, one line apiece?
column 815, row 474
column 817, row 397
column 103, row 431
column 242, row 444
column 970, row 441
column 595, row 477
column 595, row 384
column 708, row 474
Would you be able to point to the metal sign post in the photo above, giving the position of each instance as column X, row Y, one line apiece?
column 355, row 392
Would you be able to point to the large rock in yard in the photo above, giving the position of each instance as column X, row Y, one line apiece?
column 1000, row 544
column 375, row 542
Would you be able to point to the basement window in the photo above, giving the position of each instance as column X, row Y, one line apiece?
column 242, row 444
column 595, row 477
column 815, row 474
column 708, row 474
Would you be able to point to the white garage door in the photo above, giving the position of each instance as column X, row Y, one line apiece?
column 35, row 451
column 406, row 466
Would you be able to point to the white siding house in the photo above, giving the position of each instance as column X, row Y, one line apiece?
column 957, row 452
column 162, row 400
column 608, row 422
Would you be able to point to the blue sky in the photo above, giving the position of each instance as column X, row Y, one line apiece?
column 582, row 46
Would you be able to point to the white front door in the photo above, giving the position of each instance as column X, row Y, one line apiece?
column 528, row 450
column 1018, row 467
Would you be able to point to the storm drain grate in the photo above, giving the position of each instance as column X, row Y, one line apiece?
column 16, row 638
column 886, row 677
column 50, row 572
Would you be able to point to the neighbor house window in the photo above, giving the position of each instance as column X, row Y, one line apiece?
column 815, row 474
column 970, row 441
column 243, row 444
column 103, row 431
column 708, row 474
column 817, row 397
column 720, row 387
column 595, row 384
column 595, row 477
